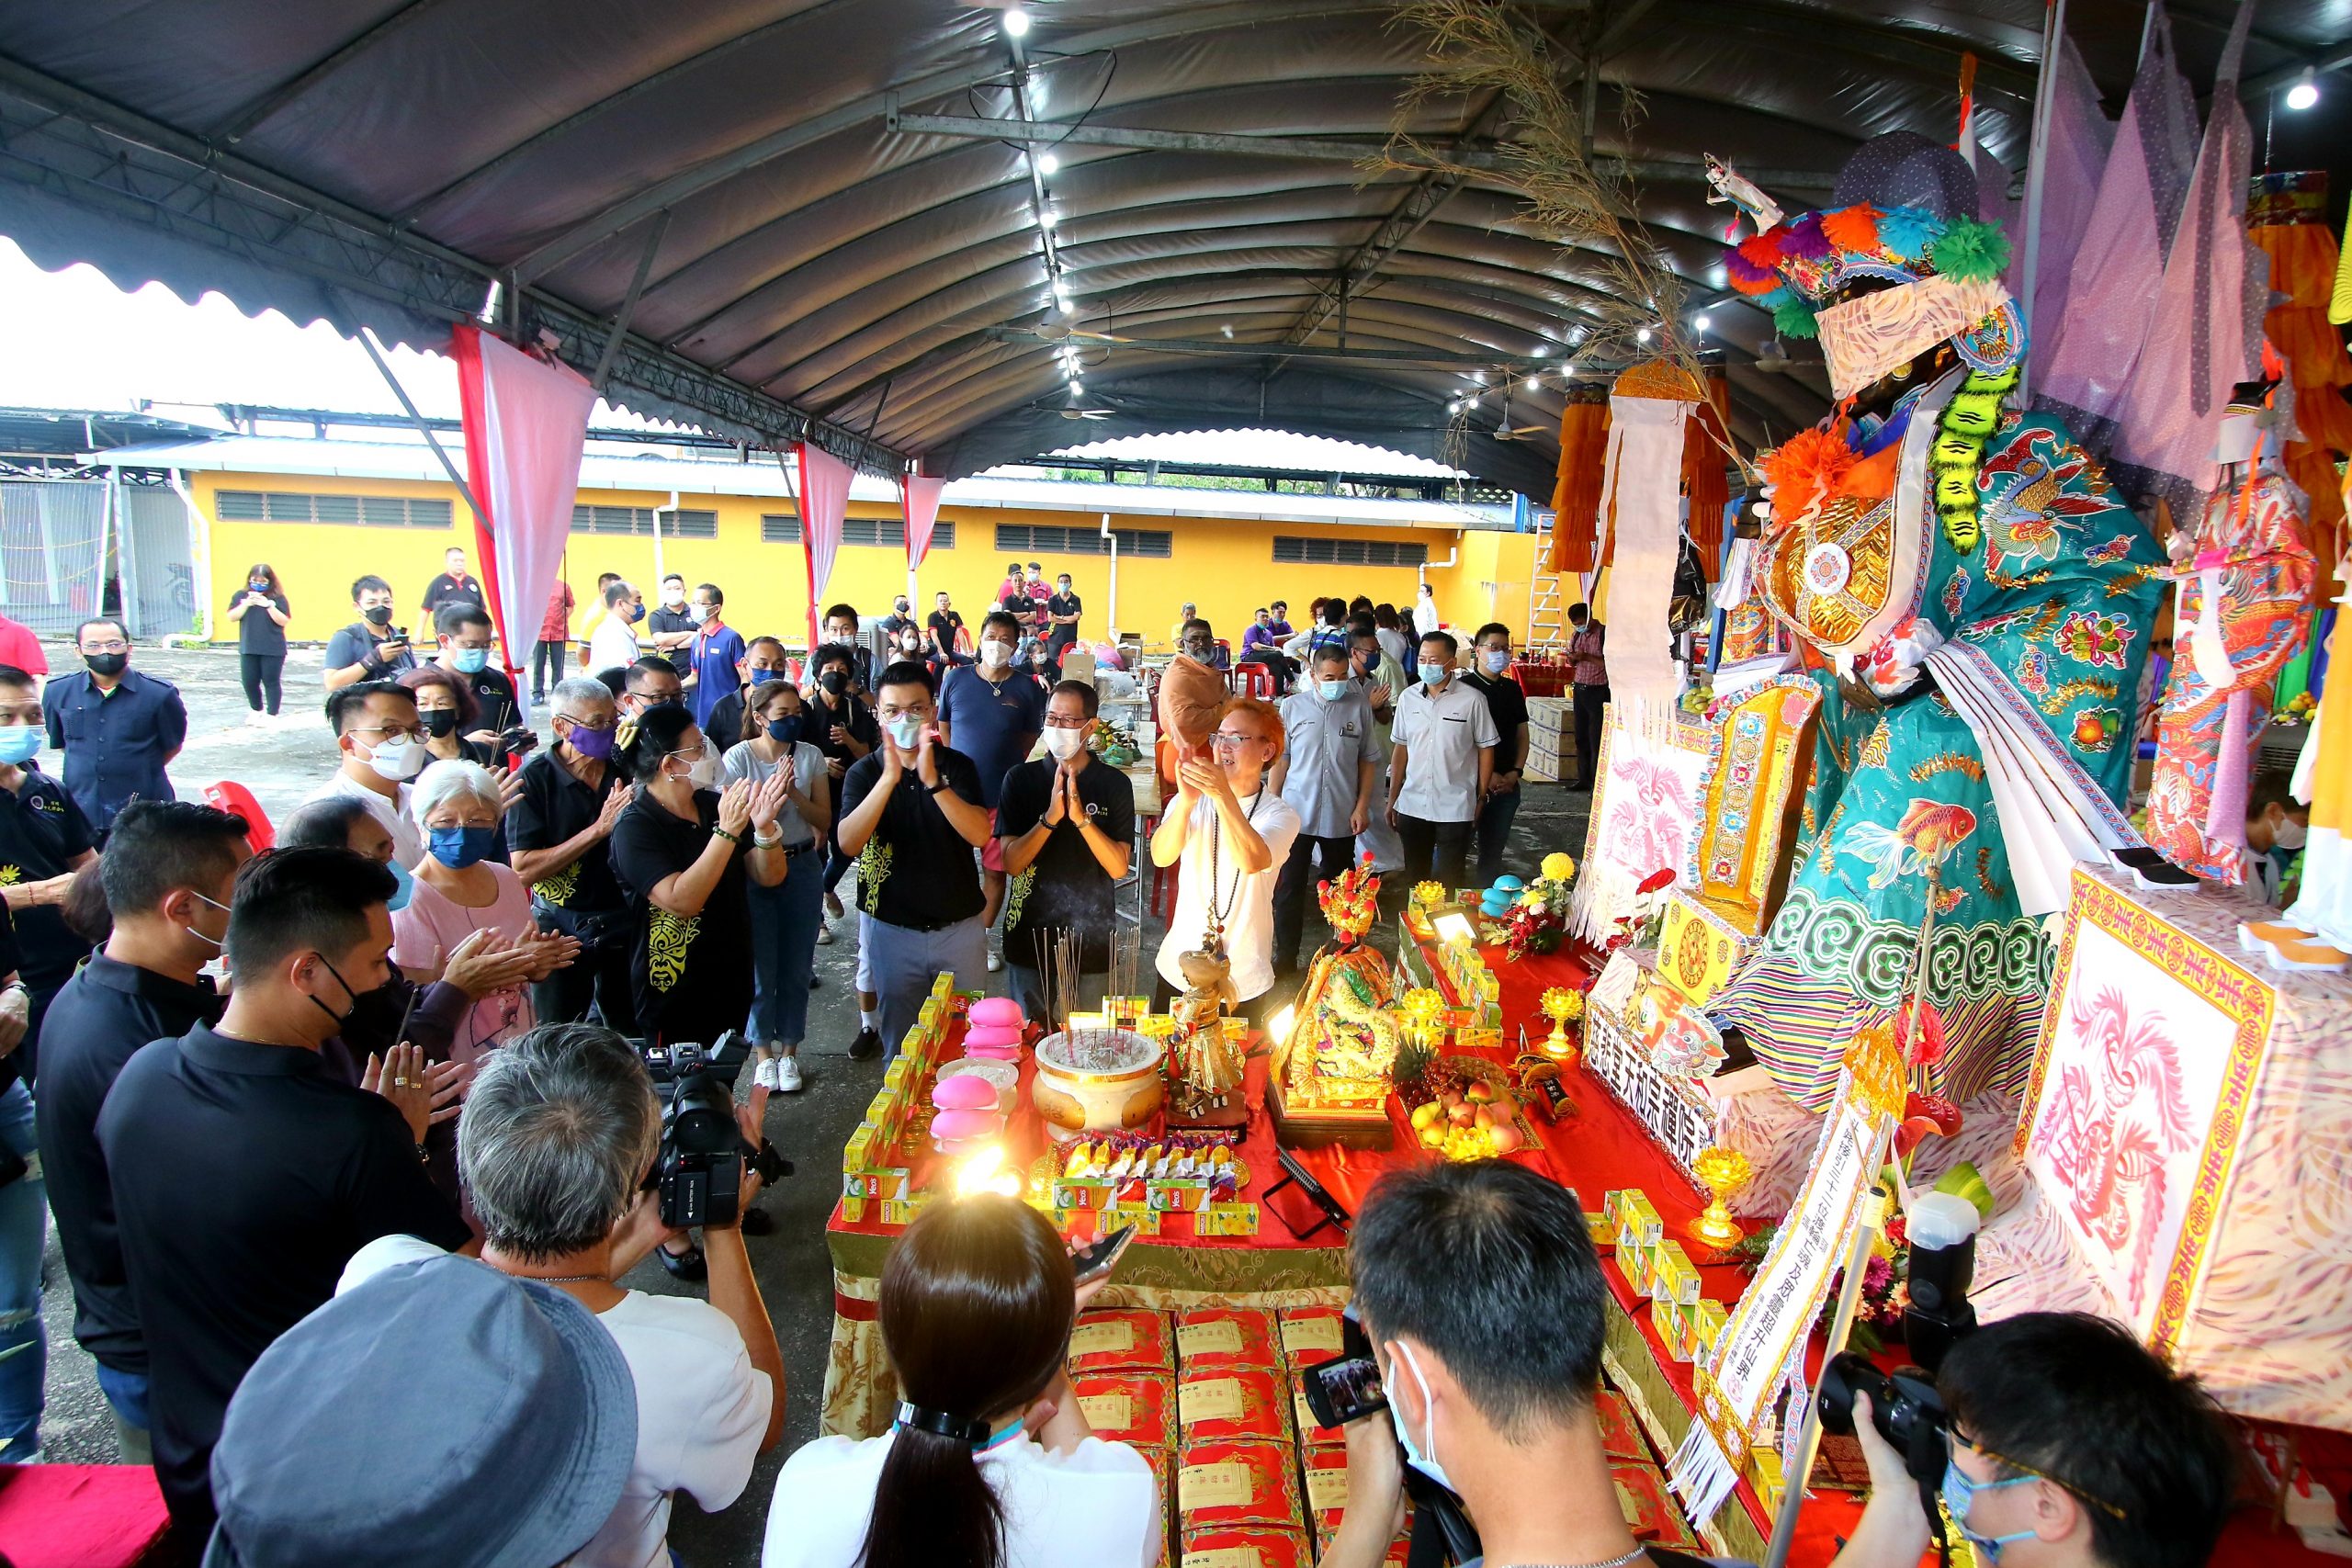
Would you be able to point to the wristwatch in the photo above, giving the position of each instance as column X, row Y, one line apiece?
column 934, row 789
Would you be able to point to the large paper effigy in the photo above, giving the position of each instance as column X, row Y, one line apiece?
column 2186, row 1137
column 1645, row 806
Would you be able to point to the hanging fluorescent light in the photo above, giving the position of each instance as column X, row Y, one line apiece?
column 1017, row 22
column 2304, row 93
column 1047, row 162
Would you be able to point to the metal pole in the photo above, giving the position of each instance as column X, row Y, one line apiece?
column 1784, row 1523
column 465, row 493
column 1110, row 617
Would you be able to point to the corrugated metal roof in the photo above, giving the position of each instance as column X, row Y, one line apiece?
column 1281, row 451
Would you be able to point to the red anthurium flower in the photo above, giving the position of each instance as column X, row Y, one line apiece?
column 1656, row 880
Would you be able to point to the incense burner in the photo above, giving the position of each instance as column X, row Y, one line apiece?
column 1096, row 1080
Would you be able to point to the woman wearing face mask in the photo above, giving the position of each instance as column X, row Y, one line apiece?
column 459, row 891
column 842, row 727
column 260, row 615
column 447, row 709
column 990, row 1463
column 785, row 918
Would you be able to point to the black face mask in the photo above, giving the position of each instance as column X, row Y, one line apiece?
column 106, row 664
column 439, row 722
column 834, row 683
column 378, row 1018
column 376, row 614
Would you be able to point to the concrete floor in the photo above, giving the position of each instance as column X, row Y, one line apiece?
column 283, row 765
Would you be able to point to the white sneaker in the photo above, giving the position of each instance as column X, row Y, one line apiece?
column 996, row 963
column 787, row 1075
column 763, row 1075
column 824, row 936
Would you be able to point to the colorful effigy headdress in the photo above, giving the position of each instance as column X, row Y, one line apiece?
column 1906, row 217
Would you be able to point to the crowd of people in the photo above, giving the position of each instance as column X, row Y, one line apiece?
column 399, row 1045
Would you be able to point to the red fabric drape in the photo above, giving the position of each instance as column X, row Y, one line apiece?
column 1576, row 497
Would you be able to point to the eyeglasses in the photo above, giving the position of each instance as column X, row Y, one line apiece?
column 1961, row 1439
column 1055, row 721
column 1226, row 740
column 389, row 731
column 118, row 645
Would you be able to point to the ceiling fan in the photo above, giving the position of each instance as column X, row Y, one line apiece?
column 1507, row 431
column 1076, row 410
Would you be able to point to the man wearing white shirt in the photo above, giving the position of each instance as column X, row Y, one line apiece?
column 1231, row 833
column 560, row 1131
column 381, row 746
column 1329, row 760
column 1444, row 756
column 613, row 645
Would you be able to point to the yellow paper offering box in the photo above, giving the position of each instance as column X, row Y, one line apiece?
column 1673, row 1277
column 887, row 1111
column 1702, row 1326
column 1666, row 1318
column 1227, row 1219
column 1638, row 1225
column 1765, row 1474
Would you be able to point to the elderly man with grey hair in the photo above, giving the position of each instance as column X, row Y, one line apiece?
column 560, row 1130
column 558, row 830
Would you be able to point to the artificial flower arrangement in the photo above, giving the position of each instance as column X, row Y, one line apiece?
column 1113, row 744
column 1538, row 922
column 1639, row 925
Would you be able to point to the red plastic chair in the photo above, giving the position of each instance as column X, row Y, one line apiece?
column 227, row 795
column 1252, row 681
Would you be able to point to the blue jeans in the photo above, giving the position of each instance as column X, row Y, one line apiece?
column 784, row 948
column 24, row 1343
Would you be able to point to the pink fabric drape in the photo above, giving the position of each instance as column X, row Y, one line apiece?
column 2075, row 150
column 918, row 501
column 525, row 424
column 824, row 502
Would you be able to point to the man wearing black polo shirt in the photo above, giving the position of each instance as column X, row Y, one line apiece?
column 911, row 815
column 670, row 628
column 465, row 636
column 44, row 839
column 298, row 1170
column 456, row 585
column 1508, row 702
column 558, row 830
column 168, row 875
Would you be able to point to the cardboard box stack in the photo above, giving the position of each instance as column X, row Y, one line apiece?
column 1550, row 738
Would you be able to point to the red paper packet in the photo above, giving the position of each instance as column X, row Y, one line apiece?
column 1234, row 1485
column 1134, row 1407
column 1221, row 1339
column 1245, row 1404
column 1325, row 1473
column 1621, row 1437
column 1255, row 1548
column 1119, row 1338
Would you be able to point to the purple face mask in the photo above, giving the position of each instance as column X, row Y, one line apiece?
column 593, row 744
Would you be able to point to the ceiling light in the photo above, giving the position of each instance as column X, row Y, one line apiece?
column 1701, row 321
column 1047, row 162
column 1641, row 336
column 1226, row 329
column 1719, row 277
column 1541, row 349
column 1076, row 388
column 1047, row 217
column 1017, row 22
column 2305, row 92
column 1534, row 383
column 1479, row 377
column 1069, row 306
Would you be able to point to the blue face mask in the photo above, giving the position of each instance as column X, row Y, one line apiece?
column 1425, row 1462
column 1960, row 1492
column 761, row 677
column 399, row 900
column 469, row 660
column 1432, row 673
column 906, row 733
column 458, row 848
column 1332, row 691
column 19, row 744
column 785, row 731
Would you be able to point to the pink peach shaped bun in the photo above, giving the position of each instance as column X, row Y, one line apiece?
column 964, row 1092
column 993, row 1034
column 950, row 1126
column 995, row 1052
column 998, row 1012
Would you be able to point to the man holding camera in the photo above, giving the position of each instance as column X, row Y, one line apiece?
column 371, row 648
column 2069, row 1447
column 560, row 1130
column 1479, row 1288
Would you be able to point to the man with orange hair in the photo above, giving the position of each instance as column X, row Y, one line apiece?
column 1230, row 834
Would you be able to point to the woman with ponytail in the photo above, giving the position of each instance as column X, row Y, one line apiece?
column 990, row 1463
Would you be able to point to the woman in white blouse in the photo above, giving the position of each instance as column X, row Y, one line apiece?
column 989, row 1462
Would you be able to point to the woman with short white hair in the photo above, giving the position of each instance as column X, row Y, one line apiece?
column 460, row 891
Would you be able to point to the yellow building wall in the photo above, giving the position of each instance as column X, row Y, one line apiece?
column 1225, row 565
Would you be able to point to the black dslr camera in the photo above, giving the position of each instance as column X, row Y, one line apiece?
column 699, row 1171
column 1904, row 1407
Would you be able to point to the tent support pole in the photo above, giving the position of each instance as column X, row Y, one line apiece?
column 464, row 492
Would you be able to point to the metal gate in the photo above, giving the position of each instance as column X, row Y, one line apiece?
column 158, row 563
column 52, row 551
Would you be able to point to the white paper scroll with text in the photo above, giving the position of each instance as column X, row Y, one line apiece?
column 1644, row 807
column 1765, row 1337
